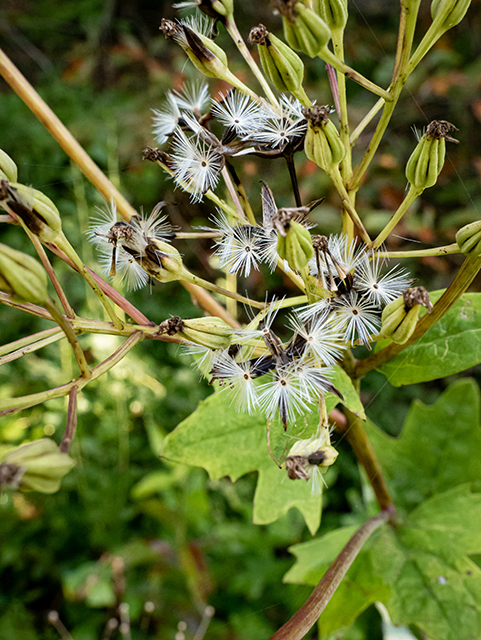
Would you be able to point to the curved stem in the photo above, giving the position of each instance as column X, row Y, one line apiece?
column 53, row 335
column 190, row 277
column 346, row 202
column 449, row 249
column 71, row 337
column 366, row 120
column 300, row 623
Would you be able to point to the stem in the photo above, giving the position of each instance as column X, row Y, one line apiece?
column 466, row 274
column 338, row 42
column 422, row 253
column 8, row 405
column 366, row 120
column 411, row 196
column 71, row 337
column 357, row 438
column 292, row 172
column 300, row 623
column 34, row 337
column 67, row 248
column 62, row 135
column 233, row 194
column 190, row 277
column 55, row 334
column 348, row 72
column 71, row 421
column 69, row 312
column 346, row 202
column 28, row 307
column 241, row 193
column 234, row 33
column 407, row 26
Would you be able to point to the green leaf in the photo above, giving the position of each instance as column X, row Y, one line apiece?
column 352, row 401
column 420, row 570
column 452, row 345
column 439, row 447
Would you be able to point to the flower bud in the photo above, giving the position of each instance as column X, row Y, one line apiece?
column 37, row 212
column 218, row 9
column 427, row 159
column 303, row 29
column 400, row 317
column 281, row 64
column 333, row 12
column 469, row 239
column 22, row 275
column 295, row 245
column 456, row 13
column 38, row 466
column 161, row 261
column 8, row 168
column 210, row 332
column 322, row 144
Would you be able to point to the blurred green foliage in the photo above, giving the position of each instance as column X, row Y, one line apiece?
column 127, row 526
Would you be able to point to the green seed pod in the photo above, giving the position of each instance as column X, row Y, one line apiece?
column 469, row 239
column 456, row 12
column 24, row 277
column 218, row 9
column 427, row 159
column 38, row 466
column 333, row 12
column 281, row 64
column 304, row 30
column 322, row 144
column 400, row 317
column 161, row 261
column 295, row 246
column 210, row 332
column 37, row 212
column 8, row 168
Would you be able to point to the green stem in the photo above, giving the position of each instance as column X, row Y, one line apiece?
column 67, row 248
column 24, row 342
column 348, row 72
column 458, row 286
column 71, row 337
column 449, row 249
column 54, row 335
column 407, row 27
column 190, row 277
column 411, row 196
column 366, row 120
column 8, row 405
column 346, row 203
column 338, row 42
column 234, row 33
column 305, row 618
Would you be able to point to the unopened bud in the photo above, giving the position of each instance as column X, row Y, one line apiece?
column 304, row 30
column 210, row 332
column 322, row 144
column 281, row 64
column 36, row 211
column 333, row 12
column 400, row 317
column 22, row 275
column 8, row 168
column 218, row 9
column 469, row 239
column 427, row 159
column 161, row 261
column 39, row 465
column 295, row 245
column 456, row 12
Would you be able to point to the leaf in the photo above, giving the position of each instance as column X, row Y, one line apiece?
column 452, row 345
column 439, row 447
column 420, row 570
column 351, row 400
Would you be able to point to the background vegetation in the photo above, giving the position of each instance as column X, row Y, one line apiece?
column 127, row 526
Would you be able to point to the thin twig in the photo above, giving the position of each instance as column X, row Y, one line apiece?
column 71, row 425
